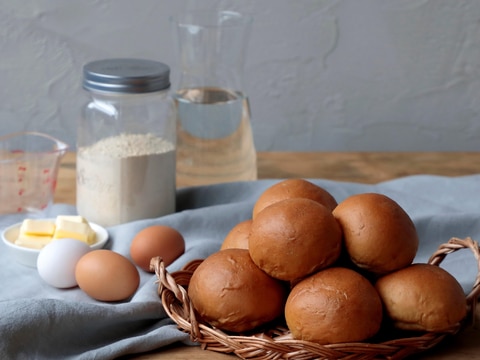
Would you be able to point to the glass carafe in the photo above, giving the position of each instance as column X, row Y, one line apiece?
column 214, row 135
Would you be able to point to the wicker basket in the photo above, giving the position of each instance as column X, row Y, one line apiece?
column 277, row 343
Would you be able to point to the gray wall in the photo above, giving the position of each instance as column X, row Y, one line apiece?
column 321, row 74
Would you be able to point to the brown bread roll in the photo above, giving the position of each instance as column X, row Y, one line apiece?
column 231, row 293
column 293, row 188
column 379, row 235
column 422, row 297
column 293, row 238
column 237, row 237
column 334, row 305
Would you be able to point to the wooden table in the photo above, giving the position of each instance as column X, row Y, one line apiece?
column 363, row 167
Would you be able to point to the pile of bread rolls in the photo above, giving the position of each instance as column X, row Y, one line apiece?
column 333, row 272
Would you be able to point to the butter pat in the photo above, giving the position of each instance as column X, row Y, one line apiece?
column 74, row 218
column 36, row 234
column 37, row 227
column 76, row 228
column 33, row 241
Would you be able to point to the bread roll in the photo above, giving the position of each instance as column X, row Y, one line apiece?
column 237, row 237
column 293, row 188
column 422, row 297
column 293, row 238
column 379, row 235
column 231, row 293
column 334, row 305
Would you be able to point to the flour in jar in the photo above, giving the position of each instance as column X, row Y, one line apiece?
column 126, row 177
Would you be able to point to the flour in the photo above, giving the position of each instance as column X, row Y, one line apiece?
column 126, row 177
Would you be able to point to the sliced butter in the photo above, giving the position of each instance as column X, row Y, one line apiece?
column 66, row 228
column 37, row 227
column 33, row 241
column 74, row 218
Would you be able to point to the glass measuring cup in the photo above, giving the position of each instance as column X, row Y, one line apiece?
column 29, row 164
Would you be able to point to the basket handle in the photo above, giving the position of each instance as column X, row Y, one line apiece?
column 453, row 245
column 165, row 280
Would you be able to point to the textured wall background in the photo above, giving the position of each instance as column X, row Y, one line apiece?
column 321, row 74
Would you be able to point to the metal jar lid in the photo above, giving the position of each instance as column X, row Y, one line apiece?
column 124, row 75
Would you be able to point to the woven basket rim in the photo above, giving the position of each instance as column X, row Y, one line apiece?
column 276, row 342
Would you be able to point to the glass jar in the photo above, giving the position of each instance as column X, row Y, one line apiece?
column 126, row 142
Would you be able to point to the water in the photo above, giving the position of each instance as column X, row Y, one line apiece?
column 214, row 137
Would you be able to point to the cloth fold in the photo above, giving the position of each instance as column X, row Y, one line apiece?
column 41, row 322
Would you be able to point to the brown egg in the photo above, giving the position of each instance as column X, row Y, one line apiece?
column 293, row 188
column 106, row 275
column 237, row 238
column 156, row 240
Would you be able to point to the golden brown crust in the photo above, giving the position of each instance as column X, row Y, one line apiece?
column 379, row 235
column 333, row 305
column 237, row 237
column 231, row 293
column 293, row 188
column 293, row 238
column 422, row 297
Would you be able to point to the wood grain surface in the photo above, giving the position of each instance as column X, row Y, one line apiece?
column 363, row 167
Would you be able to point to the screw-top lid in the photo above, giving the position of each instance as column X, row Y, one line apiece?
column 126, row 75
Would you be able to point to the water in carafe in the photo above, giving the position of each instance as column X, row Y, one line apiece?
column 214, row 137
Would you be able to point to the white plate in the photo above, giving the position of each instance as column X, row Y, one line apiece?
column 28, row 256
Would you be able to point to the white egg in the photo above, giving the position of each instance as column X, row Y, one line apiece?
column 57, row 260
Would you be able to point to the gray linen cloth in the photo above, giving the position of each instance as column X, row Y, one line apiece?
column 41, row 322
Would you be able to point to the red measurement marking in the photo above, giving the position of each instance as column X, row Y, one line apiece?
column 21, row 192
column 22, row 168
column 46, row 171
column 19, row 209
